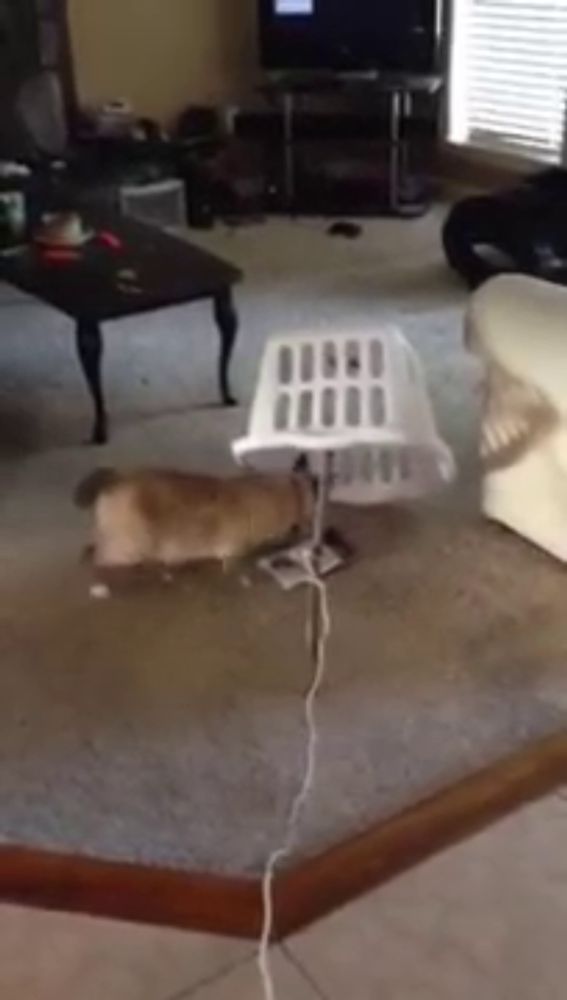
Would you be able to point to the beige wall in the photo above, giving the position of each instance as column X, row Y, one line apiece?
column 163, row 54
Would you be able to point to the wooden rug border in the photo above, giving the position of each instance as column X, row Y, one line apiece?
column 306, row 893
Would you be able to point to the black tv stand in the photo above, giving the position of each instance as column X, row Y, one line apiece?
column 288, row 92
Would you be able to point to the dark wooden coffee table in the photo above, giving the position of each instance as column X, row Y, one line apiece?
column 125, row 269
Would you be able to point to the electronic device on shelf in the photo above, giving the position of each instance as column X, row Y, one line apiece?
column 351, row 35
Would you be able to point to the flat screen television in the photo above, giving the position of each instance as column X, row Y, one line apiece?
column 350, row 35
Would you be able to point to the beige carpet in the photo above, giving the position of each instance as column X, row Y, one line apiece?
column 166, row 726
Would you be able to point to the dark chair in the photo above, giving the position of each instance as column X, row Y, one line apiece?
column 85, row 170
column 41, row 110
column 521, row 229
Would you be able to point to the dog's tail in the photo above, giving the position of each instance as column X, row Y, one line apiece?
column 89, row 490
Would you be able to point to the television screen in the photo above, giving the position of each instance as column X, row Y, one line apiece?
column 395, row 35
column 291, row 7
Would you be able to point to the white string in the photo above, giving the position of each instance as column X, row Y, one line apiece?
column 317, row 635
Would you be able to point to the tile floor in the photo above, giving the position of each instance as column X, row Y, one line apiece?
column 486, row 919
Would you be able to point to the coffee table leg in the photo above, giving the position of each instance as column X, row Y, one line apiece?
column 227, row 322
column 89, row 349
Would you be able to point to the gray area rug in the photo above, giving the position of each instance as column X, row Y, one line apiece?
column 166, row 726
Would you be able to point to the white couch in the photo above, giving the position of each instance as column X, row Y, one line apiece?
column 518, row 326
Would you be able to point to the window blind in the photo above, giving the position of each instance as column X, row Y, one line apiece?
column 509, row 76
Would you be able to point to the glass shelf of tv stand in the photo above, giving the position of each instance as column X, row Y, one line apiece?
column 382, row 81
column 288, row 92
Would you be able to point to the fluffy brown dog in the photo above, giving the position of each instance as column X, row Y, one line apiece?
column 168, row 519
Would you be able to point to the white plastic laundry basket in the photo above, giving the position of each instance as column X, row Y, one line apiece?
column 361, row 396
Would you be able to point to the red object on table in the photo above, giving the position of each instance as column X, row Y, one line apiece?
column 110, row 240
column 61, row 256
